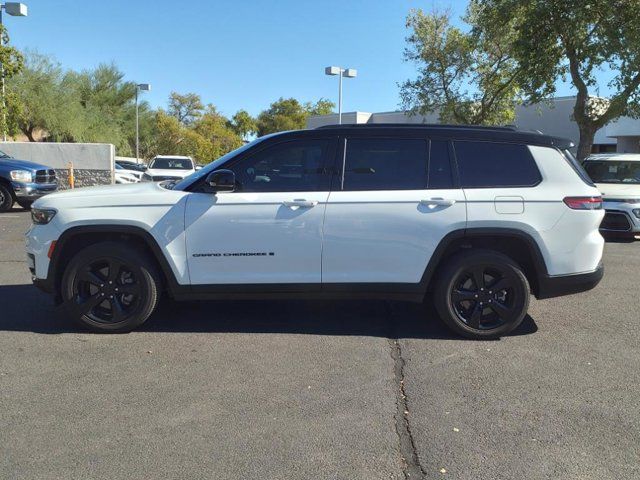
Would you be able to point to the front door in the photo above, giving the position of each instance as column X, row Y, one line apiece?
column 269, row 230
column 396, row 200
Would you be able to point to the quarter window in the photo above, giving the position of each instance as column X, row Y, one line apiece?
column 295, row 166
column 385, row 164
column 491, row 164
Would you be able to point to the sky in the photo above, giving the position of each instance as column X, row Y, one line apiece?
column 241, row 54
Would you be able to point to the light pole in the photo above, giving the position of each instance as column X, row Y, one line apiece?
column 145, row 87
column 14, row 9
column 341, row 72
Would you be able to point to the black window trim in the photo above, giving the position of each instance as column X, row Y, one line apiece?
column 540, row 180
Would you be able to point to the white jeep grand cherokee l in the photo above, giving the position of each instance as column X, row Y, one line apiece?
column 473, row 218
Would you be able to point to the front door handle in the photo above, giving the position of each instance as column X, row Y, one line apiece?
column 300, row 203
column 438, row 202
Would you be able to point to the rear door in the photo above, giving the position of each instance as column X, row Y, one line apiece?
column 395, row 199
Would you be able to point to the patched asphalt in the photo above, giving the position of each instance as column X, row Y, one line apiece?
column 291, row 389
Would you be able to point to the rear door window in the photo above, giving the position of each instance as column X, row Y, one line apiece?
column 385, row 164
column 492, row 164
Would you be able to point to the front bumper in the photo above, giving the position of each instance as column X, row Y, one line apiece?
column 560, row 285
column 33, row 191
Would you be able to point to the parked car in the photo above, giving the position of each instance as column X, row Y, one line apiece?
column 617, row 175
column 168, row 167
column 471, row 218
column 23, row 182
column 123, row 176
column 127, row 165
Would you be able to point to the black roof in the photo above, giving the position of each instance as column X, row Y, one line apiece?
column 468, row 132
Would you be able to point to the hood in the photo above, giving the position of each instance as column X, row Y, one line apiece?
column 109, row 195
column 168, row 172
column 14, row 163
column 619, row 190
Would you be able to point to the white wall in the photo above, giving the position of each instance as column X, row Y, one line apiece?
column 85, row 156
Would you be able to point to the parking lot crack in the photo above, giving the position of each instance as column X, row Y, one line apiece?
column 411, row 467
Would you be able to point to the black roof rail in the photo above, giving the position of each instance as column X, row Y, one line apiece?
column 509, row 128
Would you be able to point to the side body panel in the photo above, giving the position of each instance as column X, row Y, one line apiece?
column 568, row 239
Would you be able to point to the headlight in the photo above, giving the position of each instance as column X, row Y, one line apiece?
column 42, row 216
column 636, row 212
column 21, row 175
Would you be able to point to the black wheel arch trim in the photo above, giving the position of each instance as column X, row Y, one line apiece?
column 53, row 274
column 539, row 264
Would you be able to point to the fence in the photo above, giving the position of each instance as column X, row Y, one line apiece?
column 93, row 163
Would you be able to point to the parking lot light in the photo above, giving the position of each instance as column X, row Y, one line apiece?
column 15, row 9
column 340, row 72
column 140, row 87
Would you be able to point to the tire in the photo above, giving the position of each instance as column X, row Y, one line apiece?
column 6, row 198
column 26, row 204
column 468, row 301
column 121, row 306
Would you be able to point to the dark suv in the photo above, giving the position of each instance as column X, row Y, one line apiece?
column 23, row 182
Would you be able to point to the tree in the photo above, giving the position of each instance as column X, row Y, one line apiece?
column 243, row 124
column 467, row 78
column 578, row 39
column 186, row 108
column 12, row 63
column 289, row 114
column 216, row 129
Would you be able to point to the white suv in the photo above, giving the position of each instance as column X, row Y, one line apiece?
column 168, row 167
column 617, row 175
column 473, row 218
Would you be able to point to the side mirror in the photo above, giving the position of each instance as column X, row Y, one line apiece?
column 222, row 181
column 198, row 167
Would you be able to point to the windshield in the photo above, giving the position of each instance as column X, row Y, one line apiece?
column 171, row 164
column 185, row 182
column 613, row 171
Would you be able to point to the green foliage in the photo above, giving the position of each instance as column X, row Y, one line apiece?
column 243, row 124
column 289, row 114
column 467, row 78
column 12, row 63
column 576, row 39
column 186, row 108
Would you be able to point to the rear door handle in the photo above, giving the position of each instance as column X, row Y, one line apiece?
column 438, row 202
column 300, row 203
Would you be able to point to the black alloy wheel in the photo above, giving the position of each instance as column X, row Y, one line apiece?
column 481, row 294
column 486, row 296
column 107, row 291
column 111, row 287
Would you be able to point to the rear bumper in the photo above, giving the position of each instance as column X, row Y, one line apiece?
column 559, row 285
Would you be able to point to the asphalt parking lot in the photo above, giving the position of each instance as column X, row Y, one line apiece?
column 322, row 390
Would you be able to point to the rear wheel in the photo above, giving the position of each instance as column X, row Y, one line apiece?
column 109, row 287
column 6, row 198
column 482, row 294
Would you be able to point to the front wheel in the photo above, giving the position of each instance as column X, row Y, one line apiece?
column 109, row 287
column 6, row 198
column 482, row 294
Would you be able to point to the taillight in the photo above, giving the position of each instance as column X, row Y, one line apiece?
column 584, row 203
